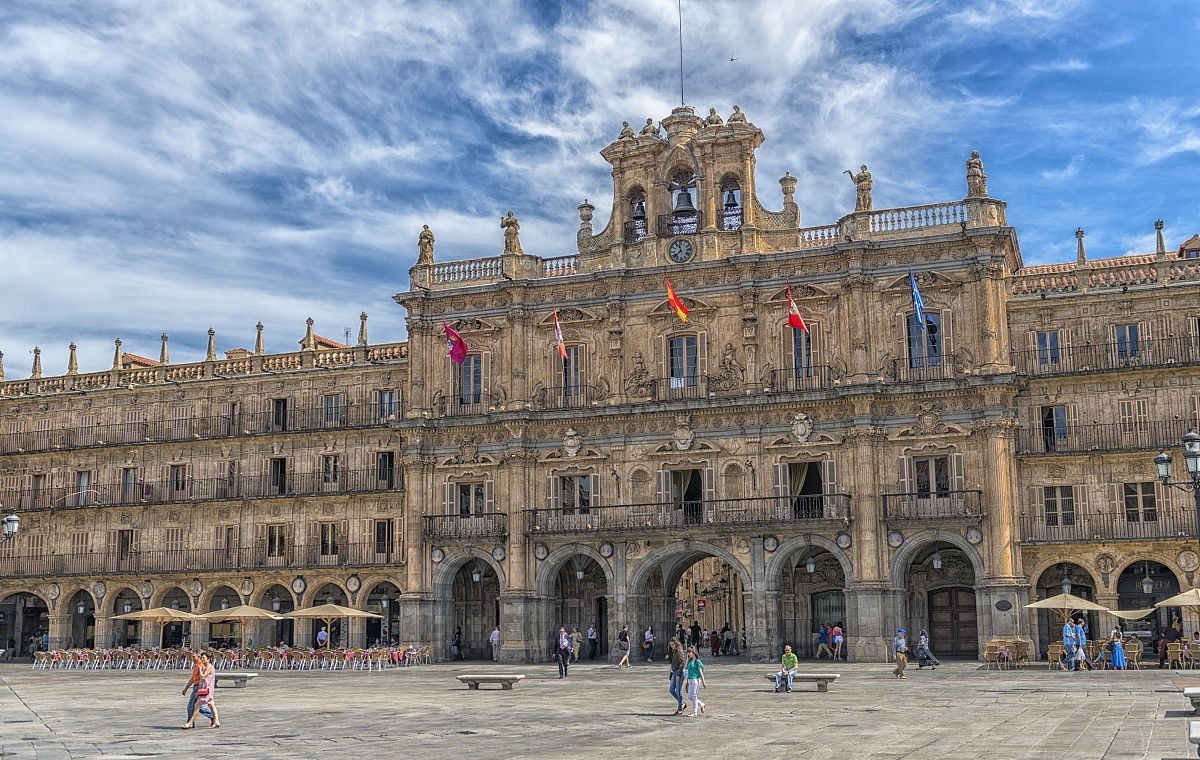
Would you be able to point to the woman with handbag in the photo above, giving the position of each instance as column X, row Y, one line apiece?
column 204, row 694
column 623, row 645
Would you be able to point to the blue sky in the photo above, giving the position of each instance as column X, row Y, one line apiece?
column 179, row 165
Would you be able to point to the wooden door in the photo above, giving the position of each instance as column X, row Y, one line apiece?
column 952, row 622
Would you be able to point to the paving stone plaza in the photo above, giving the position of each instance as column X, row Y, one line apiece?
column 957, row 711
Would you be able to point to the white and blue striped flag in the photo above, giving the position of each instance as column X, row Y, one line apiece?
column 918, row 302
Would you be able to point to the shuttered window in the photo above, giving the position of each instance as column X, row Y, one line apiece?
column 1047, row 348
column 1141, row 504
column 926, row 348
column 1059, row 504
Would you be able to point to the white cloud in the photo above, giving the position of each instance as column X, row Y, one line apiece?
column 1070, row 171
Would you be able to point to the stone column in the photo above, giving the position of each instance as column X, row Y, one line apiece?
column 148, row 633
column 522, row 615
column 358, row 632
column 103, row 630
column 872, row 614
column 852, row 308
column 200, row 632
column 416, row 616
column 60, row 631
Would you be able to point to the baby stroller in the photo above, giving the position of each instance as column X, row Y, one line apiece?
column 925, row 657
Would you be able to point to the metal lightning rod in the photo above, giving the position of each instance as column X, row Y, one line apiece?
column 679, row 8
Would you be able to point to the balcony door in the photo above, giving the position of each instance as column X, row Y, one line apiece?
column 687, row 494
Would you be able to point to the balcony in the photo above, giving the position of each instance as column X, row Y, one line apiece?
column 929, row 368
column 1108, row 525
column 188, row 490
column 1121, row 436
column 465, row 527
column 679, row 223
column 1104, row 357
column 458, row 405
column 571, row 397
column 198, row 560
column 795, row 380
column 806, row 510
column 933, row 505
column 635, row 230
column 201, row 428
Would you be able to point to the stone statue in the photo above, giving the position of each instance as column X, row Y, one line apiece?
column 650, row 129
column 863, row 182
column 737, row 117
column 511, row 227
column 638, row 383
column 626, row 132
column 976, row 179
column 425, row 247
column 713, row 120
column 729, row 362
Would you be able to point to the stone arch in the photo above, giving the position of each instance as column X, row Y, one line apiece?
column 788, row 549
column 68, row 596
column 206, row 596
column 905, row 555
column 553, row 563
column 259, row 597
column 316, row 585
column 114, row 595
column 7, row 591
column 1042, row 567
column 443, row 577
column 159, row 597
column 369, row 582
column 1165, row 561
column 679, row 549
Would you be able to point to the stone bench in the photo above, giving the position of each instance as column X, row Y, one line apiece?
column 239, row 679
column 822, row 680
column 1192, row 693
column 1194, row 734
column 505, row 681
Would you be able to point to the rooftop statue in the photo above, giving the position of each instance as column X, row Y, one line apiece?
column 976, row 179
column 425, row 246
column 650, row 129
column 862, row 181
column 737, row 117
column 626, row 132
column 511, row 227
column 713, row 120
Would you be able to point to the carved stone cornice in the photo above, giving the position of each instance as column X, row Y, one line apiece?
column 857, row 282
column 865, row 434
column 995, row 426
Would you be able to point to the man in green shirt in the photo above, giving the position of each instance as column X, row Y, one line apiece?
column 790, row 662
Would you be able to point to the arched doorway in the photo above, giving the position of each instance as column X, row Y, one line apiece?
column 941, row 600
column 176, row 634
column 581, row 600
column 812, row 595
column 381, row 600
column 1144, row 584
column 339, row 629
column 82, row 608
column 125, row 633
column 476, row 608
column 1063, row 578
column 690, row 584
column 26, row 623
column 278, row 600
column 226, row 634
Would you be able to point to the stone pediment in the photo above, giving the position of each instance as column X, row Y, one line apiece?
column 791, row 446
column 800, row 292
column 474, row 325
column 925, row 280
column 695, row 306
column 567, row 316
column 560, row 456
column 673, row 449
column 928, row 425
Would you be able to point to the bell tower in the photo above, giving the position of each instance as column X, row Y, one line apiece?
column 683, row 191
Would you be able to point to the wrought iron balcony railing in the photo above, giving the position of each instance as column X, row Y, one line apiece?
column 933, row 505
column 1102, row 357
column 1120, row 436
column 1114, row 524
column 200, row 428
column 452, row 527
column 677, row 515
column 471, row 403
column 636, row 230
column 186, row 489
column 20, row 565
column 570, row 397
column 680, row 223
column 802, row 379
column 929, row 368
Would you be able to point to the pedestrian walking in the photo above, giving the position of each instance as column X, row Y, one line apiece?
column 823, row 649
column 494, row 640
column 790, row 664
column 648, row 643
column 924, row 653
column 456, row 645
column 839, row 637
column 900, row 653
column 193, row 684
column 593, row 641
column 1081, row 637
column 563, row 652
column 714, row 643
column 204, row 694
column 695, row 680
column 623, row 646
column 576, row 643
column 678, row 661
column 726, row 638
column 1069, row 645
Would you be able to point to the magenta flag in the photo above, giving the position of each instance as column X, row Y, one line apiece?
column 458, row 346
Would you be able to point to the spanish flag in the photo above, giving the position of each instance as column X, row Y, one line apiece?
column 794, row 318
column 680, row 310
column 558, row 338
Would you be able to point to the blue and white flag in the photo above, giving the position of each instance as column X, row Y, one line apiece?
column 918, row 302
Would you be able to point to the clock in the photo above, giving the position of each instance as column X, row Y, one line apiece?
column 680, row 250
column 353, row 584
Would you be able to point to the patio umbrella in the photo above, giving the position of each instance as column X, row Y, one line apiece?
column 1065, row 604
column 159, row 615
column 1131, row 614
column 328, row 613
column 242, row 614
column 1189, row 599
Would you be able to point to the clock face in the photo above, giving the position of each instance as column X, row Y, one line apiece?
column 680, row 250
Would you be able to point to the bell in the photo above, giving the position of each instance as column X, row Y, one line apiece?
column 730, row 201
column 639, row 210
column 683, row 203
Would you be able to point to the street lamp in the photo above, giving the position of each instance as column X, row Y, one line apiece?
column 11, row 524
column 475, row 573
column 1066, row 584
column 384, row 601
column 937, row 560
column 276, row 604
column 128, row 608
column 1191, row 456
column 810, row 566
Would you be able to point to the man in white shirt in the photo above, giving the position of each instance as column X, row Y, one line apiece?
column 593, row 641
column 495, row 640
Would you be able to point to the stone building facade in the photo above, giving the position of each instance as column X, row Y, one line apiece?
column 877, row 469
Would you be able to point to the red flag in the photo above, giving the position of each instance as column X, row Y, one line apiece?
column 458, row 346
column 680, row 310
column 794, row 318
column 562, row 350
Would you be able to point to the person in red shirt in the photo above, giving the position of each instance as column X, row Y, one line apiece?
column 193, row 684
